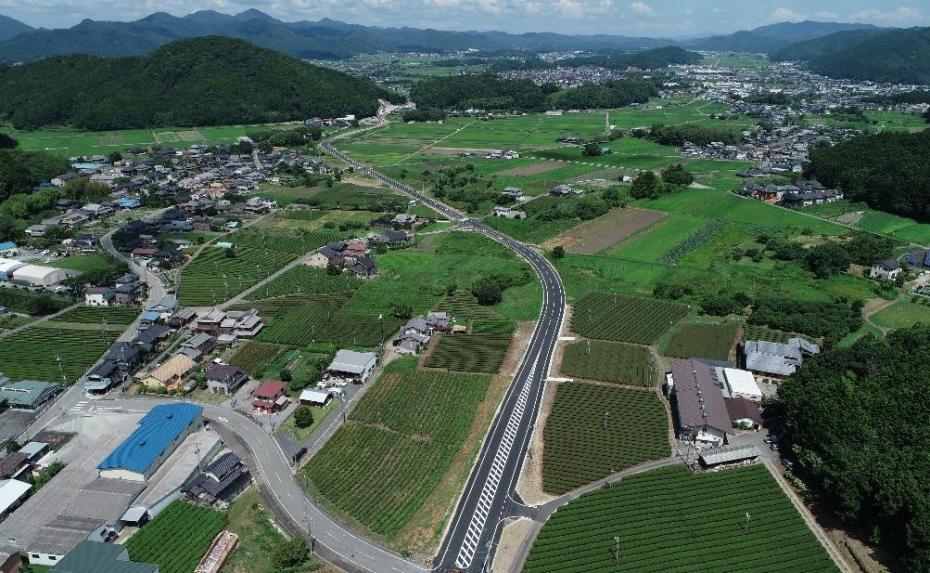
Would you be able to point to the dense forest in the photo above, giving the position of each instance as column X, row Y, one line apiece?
column 491, row 93
column 20, row 171
column 856, row 419
column 205, row 81
column 889, row 171
column 896, row 56
column 647, row 60
column 678, row 135
column 912, row 97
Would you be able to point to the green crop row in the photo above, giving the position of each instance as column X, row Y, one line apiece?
column 624, row 318
column 609, row 362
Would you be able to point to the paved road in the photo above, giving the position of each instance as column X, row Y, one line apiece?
column 489, row 495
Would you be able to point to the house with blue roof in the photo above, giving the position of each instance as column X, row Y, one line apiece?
column 159, row 433
column 7, row 248
column 128, row 203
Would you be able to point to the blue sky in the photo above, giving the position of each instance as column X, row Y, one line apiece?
column 657, row 18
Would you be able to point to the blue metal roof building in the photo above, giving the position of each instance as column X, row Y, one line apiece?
column 159, row 433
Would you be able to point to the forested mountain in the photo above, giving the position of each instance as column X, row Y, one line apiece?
column 899, row 56
column 10, row 27
column 203, row 81
column 774, row 37
column 810, row 49
column 889, row 171
column 856, row 420
column 322, row 39
column 493, row 94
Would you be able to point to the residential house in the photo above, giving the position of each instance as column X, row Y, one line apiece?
column 148, row 339
column 404, row 219
column 224, row 379
column 99, row 296
column 438, row 321
column 170, row 373
column 514, row 193
column 888, row 269
column 210, row 321
column 744, row 413
column 562, row 190
column 219, row 481
column 364, row 267
column 270, row 397
column 508, row 213
column 325, row 257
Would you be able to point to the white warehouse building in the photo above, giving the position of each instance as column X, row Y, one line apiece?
column 38, row 276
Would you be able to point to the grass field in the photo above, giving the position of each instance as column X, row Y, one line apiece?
column 902, row 314
column 71, row 142
column 177, row 538
column 258, row 537
column 85, row 263
column 595, row 430
column 603, row 232
column 625, row 319
column 713, row 341
column 864, row 217
column 673, row 520
column 609, row 362
column 381, row 467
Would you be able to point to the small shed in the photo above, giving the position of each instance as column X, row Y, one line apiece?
column 311, row 397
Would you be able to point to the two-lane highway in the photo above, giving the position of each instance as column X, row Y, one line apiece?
column 488, row 498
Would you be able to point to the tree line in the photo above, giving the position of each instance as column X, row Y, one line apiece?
column 888, row 171
column 491, row 93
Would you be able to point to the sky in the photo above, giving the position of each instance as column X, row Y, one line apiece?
column 655, row 18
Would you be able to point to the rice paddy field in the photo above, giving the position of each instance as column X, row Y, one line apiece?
column 673, row 520
column 596, row 430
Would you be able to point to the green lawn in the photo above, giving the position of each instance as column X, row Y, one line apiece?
column 903, row 314
column 85, row 263
column 320, row 413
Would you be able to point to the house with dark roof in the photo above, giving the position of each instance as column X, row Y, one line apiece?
column 700, row 411
column 887, row 269
column 744, row 413
column 219, row 481
column 224, row 379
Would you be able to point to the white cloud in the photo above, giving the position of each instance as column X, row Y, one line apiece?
column 783, row 14
column 642, row 9
column 902, row 16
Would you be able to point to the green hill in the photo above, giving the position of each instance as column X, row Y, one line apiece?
column 774, row 37
column 203, row 81
column 810, row 49
column 898, row 56
column 10, row 28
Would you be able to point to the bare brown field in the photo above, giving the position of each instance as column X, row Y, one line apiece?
column 530, row 170
column 605, row 231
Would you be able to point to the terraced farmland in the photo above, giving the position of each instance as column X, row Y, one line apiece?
column 672, row 520
column 212, row 277
column 625, row 318
column 78, row 349
column 712, row 341
column 595, row 430
column 609, row 362
column 253, row 356
column 381, row 467
column 482, row 350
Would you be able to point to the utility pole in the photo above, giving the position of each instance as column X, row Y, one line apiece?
column 605, row 419
column 617, row 549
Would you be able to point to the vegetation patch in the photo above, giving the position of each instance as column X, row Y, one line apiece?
column 253, row 356
column 382, row 466
column 53, row 351
column 177, row 538
column 609, row 362
column 218, row 274
column 482, row 350
column 595, row 430
column 31, row 302
column 624, row 318
column 712, row 341
column 673, row 520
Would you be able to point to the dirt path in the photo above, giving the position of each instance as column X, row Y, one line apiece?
column 433, row 144
column 815, row 528
column 874, row 306
column 39, row 320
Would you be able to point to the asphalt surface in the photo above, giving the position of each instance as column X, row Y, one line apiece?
column 489, row 495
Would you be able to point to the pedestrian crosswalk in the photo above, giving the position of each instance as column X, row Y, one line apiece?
column 79, row 407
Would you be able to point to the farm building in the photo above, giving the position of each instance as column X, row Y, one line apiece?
column 700, row 410
column 727, row 456
column 97, row 557
column 744, row 413
column 160, row 431
column 270, row 396
column 38, row 276
column 7, row 249
column 11, row 493
column 98, row 296
column 352, row 366
column 7, row 266
column 311, row 397
column 26, row 394
column 776, row 358
column 739, row 384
